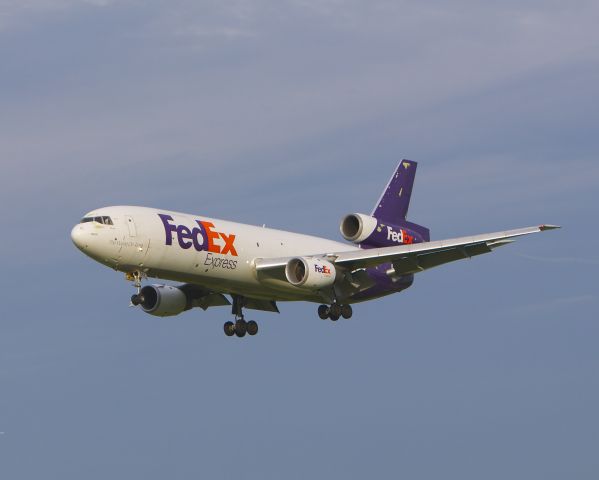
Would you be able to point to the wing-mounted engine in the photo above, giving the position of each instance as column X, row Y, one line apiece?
column 162, row 300
column 166, row 300
column 370, row 232
column 310, row 273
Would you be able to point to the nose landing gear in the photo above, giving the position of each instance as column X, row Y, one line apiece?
column 334, row 311
column 136, row 277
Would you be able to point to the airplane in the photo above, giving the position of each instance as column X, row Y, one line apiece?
column 258, row 266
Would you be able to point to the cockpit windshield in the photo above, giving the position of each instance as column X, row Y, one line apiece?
column 103, row 220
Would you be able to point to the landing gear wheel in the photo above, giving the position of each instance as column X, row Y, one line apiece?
column 240, row 328
column 335, row 312
column 229, row 329
column 346, row 311
column 136, row 299
column 323, row 312
column 252, row 328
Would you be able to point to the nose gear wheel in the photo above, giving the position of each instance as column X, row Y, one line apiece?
column 136, row 277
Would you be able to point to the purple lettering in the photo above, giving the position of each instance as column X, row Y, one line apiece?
column 168, row 228
column 184, row 233
column 202, row 238
column 199, row 238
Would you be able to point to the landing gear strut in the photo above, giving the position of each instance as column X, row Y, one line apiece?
column 136, row 277
column 240, row 327
column 334, row 311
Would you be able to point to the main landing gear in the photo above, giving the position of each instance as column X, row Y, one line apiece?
column 334, row 311
column 240, row 327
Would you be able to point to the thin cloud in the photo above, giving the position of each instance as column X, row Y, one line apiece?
column 568, row 260
column 554, row 304
column 16, row 12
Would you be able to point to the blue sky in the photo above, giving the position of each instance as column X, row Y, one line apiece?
column 295, row 113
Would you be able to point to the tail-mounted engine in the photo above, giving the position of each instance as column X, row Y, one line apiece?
column 357, row 227
column 161, row 300
column 371, row 232
column 310, row 273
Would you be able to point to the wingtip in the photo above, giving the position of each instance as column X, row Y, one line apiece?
column 542, row 228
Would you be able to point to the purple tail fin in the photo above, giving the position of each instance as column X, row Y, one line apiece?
column 395, row 200
column 393, row 205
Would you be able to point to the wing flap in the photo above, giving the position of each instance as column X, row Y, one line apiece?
column 202, row 297
column 263, row 305
column 423, row 261
column 211, row 300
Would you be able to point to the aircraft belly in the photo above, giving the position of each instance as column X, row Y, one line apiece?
column 229, row 285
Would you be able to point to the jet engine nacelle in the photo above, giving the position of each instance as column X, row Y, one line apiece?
column 310, row 273
column 162, row 300
column 369, row 231
column 357, row 227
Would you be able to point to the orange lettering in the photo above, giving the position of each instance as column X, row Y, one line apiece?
column 229, row 247
column 212, row 247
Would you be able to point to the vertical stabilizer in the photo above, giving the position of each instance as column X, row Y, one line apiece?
column 395, row 200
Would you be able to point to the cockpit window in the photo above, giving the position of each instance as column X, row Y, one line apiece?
column 103, row 220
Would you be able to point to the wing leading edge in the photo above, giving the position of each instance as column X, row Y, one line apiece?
column 416, row 257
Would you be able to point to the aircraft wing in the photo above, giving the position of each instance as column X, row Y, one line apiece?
column 205, row 298
column 417, row 257
column 202, row 297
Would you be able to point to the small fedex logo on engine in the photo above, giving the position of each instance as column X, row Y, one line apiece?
column 202, row 237
column 322, row 269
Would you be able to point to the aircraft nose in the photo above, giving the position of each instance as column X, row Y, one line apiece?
column 78, row 237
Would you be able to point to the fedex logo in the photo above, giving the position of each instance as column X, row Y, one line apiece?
column 399, row 237
column 201, row 238
column 322, row 269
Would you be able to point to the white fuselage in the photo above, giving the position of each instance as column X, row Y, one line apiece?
column 216, row 254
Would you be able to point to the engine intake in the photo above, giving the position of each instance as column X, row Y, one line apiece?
column 310, row 273
column 162, row 300
column 357, row 227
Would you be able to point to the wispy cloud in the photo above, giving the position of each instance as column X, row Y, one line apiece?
column 555, row 304
column 14, row 13
column 566, row 260
column 212, row 82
